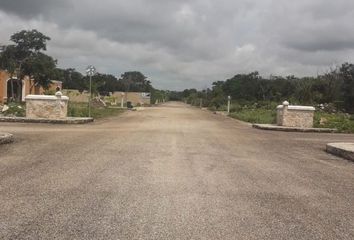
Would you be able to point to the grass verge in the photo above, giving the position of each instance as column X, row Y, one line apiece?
column 263, row 116
column 267, row 115
column 74, row 110
column 341, row 121
column 81, row 110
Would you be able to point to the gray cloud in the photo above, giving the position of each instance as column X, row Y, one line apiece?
column 33, row 8
column 190, row 43
column 317, row 25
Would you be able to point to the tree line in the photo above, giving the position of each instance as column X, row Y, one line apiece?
column 335, row 87
column 103, row 84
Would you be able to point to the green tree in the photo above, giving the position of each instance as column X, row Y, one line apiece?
column 8, row 63
column 29, row 42
column 135, row 82
column 218, row 97
column 41, row 68
column 70, row 78
column 8, row 59
column 347, row 73
column 175, row 95
column 332, row 84
column 158, row 95
column 107, row 83
column 242, row 86
column 303, row 91
column 24, row 58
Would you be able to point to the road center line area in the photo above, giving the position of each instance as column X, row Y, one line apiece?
column 172, row 172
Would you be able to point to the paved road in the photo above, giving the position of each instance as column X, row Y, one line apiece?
column 172, row 172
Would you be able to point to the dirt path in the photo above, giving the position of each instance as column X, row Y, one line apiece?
column 172, row 172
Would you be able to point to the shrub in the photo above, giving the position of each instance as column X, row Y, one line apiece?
column 81, row 110
column 341, row 121
column 256, row 115
column 16, row 110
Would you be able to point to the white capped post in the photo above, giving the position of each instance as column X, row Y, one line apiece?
column 228, row 104
column 122, row 100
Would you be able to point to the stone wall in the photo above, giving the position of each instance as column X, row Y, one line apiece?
column 115, row 99
column 46, row 106
column 134, row 97
column 295, row 116
column 76, row 96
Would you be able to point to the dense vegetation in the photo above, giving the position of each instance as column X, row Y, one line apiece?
column 334, row 90
column 254, row 98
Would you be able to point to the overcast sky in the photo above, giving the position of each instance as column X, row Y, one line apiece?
column 180, row 44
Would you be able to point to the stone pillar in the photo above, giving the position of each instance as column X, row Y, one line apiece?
column 282, row 111
column 285, row 111
column 295, row 116
column 46, row 106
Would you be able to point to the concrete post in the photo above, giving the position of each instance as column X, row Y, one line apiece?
column 122, row 100
column 285, row 111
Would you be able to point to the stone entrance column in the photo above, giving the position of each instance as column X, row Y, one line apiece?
column 46, row 106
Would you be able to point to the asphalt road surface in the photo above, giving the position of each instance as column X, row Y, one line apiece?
column 172, row 172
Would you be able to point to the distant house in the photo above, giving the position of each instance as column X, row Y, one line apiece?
column 10, row 89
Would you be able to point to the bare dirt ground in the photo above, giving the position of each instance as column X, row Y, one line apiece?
column 172, row 172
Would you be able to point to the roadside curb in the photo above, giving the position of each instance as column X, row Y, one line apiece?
column 6, row 138
column 271, row 127
column 45, row 120
column 344, row 150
